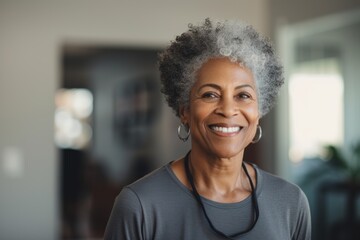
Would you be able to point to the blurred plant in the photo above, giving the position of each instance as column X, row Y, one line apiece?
column 350, row 166
column 334, row 159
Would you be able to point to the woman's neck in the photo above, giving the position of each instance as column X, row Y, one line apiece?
column 219, row 179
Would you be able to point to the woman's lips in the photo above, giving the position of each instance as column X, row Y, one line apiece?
column 225, row 129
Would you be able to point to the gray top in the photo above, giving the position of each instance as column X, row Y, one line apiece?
column 159, row 206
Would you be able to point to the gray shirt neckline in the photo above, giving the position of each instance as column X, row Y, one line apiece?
column 241, row 204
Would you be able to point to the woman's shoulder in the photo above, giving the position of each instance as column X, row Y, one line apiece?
column 146, row 185
column 278, row 185
column 156, row 176
column 151, row 185
column 282, row 194
column 285, row 202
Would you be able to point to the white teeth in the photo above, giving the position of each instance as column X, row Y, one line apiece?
column 225, row 129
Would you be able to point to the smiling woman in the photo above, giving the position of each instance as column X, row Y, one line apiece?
column 223, row 112
column 220, row 79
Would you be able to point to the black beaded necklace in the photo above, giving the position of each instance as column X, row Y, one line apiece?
column 198, row 199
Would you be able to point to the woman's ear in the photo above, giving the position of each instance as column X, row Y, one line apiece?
column 184, row 114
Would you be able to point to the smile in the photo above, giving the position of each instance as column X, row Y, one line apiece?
column 225, row 129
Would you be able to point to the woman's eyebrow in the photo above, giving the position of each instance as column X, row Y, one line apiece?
column 244, row 86
column 213, row 85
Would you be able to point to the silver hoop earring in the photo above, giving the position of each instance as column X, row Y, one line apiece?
column 258, row 127
column 186, row 130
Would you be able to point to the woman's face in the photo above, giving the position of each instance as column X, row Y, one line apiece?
column 223, row 112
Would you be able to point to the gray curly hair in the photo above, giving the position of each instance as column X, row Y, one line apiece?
column 179, row 63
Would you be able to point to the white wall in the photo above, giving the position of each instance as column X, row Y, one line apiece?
column 31, row 35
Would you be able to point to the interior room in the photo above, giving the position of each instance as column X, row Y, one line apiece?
column 81, row 113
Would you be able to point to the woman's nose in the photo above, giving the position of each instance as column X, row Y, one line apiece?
column 227, row 107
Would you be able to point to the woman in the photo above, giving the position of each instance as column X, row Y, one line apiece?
column 219, row 79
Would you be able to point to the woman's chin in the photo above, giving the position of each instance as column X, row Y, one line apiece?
column 227, row 152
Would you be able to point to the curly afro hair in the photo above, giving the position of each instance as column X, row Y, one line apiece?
column 179, row 63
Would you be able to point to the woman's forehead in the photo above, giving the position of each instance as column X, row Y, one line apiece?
column 223, row 71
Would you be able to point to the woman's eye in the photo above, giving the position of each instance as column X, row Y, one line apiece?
column 244, row 96
column 209, row 95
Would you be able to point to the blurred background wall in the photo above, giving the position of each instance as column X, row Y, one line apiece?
column 32, row 39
